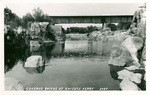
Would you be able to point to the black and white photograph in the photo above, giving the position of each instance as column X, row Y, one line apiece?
column 74, row 46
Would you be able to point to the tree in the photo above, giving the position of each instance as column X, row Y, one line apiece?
column 126, row 26
column 11, row 18
column 113, row 27
column 91, row 28
column 27, row 18
column 47, row 18
column 38, row 14
column 120, row 25
column 8, row 15
column 103, row 20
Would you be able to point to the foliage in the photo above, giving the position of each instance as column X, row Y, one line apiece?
column 81, row 30
column 11, row 19
column 26, row 19
column 120, row 26
column 123, row 26
column 91, row 29
column 126, row 26
column 36, row 16
column 113, row 27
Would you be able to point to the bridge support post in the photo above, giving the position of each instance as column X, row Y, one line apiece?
column 104, row 25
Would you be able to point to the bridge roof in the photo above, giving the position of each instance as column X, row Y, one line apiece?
column 92, row 15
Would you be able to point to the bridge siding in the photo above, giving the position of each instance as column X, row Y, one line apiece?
column 91, row 19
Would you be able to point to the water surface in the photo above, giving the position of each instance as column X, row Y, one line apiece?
column 89, row 72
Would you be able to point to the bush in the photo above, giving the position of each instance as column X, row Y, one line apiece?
column 126, row 26
column 123, row 26
column 81, row 30
column 120, row 25
column 11, row 18
column 113, row 27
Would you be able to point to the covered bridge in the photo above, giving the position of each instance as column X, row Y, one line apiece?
column 92, row 19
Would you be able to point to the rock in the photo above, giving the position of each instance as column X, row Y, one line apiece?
column 131, row 67
column 104, row 39
column 124, row 35
column 133, row 44
column 136, row 77
column 34, row 46
column 138, row 29
column 34, row 64
column 120, row 35
column 140, row 20
column 96, row 35
column 128, row 85
column 141, row 30
column 34, row 61
column 119, row 56
column 125, row 74
column 34, row 29
column 13, row 84
column 35, row 70
column 145, row 77
column 144, row 54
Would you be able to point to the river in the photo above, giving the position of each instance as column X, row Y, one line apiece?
column 75, row 65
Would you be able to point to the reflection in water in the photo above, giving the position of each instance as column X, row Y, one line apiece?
column 37, row 65
column 13, row 55
column 90, row 47
column 59, row 49
column 48, row 49
column 33, row 70
column 114, row 70
column 78, row 69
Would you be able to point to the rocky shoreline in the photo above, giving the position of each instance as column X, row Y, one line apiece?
column 130, row 55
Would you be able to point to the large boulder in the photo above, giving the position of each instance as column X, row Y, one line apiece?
column 126, row 84
column 13, row 84
column 34, row 61
column 34, row 64
column 34, row 29
column 133, row 44
column 138, row 29
column 125, row 74
column 34, row 46
column 120, row 35
column 96, row 35
column 132, row 67
column 119, row 56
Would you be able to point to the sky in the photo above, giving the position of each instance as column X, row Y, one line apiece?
column 78, row 9
column 75, row 9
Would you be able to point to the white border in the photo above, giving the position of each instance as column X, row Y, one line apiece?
column 147, row 92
